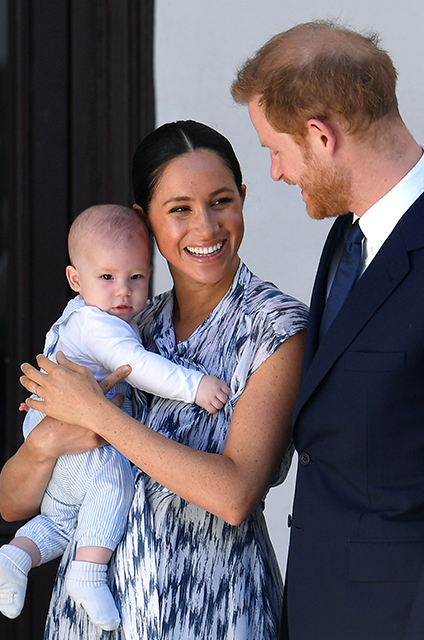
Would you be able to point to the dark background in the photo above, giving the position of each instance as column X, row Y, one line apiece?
column 76, row 98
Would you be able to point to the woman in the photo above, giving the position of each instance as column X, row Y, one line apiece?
column 196, row 561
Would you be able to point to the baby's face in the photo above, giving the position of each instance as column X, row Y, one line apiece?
column 115, row 277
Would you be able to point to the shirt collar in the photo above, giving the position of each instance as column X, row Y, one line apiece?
column 378, row 221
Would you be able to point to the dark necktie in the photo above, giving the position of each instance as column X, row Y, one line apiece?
column 345, row 276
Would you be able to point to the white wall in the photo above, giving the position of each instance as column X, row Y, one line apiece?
column 198, row 46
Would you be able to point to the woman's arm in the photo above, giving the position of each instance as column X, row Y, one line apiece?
column 25, row 476
column 229, row 485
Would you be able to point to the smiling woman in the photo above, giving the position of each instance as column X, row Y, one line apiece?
column 197, row 220
column 196, row 546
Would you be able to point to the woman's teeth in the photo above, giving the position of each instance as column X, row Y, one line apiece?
column 205, row 251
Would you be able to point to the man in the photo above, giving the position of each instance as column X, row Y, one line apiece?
column 322, row 98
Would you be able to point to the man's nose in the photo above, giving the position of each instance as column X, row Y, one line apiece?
column 277, row 172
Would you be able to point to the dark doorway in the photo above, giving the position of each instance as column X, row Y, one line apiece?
column 76, row 98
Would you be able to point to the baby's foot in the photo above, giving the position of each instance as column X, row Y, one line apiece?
column 14, row 567
column 87, row 585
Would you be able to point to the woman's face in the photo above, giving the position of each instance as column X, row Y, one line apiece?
column 196, row 217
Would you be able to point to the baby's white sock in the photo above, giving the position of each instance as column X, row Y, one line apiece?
column 87, row 585
column 14, row 568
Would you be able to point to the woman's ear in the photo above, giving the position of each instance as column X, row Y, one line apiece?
column 243, row 191
column 73, row 278
column 141, row 213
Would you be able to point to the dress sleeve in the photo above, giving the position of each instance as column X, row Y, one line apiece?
column 260, row 335
column 112, row 342
column 274, row 325
column 262, row 331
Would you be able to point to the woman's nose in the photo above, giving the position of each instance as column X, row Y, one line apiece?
column 206, row 222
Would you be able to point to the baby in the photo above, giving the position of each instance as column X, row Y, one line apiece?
column 91, row 493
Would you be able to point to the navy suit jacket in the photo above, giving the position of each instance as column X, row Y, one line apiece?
column 355, row 568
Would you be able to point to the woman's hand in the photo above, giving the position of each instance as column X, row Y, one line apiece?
column 25, row 476
column 67, row 391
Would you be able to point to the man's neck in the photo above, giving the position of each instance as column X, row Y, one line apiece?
column 377, row 168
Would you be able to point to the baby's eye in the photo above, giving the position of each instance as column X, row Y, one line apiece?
column 106, row 276
column 136, row 276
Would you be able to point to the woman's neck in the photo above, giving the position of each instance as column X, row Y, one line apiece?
column 194, row 302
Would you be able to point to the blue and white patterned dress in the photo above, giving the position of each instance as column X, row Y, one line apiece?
column 181, row 573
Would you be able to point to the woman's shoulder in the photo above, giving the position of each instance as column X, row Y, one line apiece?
column 156, row 317
column 266, row 297
column 154, row 306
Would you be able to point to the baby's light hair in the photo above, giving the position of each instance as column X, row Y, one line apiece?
column 111, row 222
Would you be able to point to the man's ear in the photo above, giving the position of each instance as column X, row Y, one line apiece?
column 322, row 136
column 73, row 278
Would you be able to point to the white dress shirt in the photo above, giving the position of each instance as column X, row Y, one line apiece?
column 378, row 221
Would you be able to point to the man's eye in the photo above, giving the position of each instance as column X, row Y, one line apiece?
column 107, row 276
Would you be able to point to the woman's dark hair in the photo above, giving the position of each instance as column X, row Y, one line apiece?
column 170, row 141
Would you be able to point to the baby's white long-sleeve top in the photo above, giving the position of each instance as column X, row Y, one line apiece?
column 102, row 342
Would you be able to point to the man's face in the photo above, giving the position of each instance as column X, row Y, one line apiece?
column 287, row 157
column 326, row 187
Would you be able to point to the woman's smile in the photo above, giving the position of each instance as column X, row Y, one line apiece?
column 205, row 252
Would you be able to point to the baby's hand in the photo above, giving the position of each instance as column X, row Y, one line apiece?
column 23, row 407
column 212, row 394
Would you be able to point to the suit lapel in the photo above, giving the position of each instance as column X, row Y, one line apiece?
column 386, row 271
column 319, row 291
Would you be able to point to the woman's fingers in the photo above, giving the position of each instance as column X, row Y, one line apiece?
column 31, row 378
column 118, row 400
column 108, row 383
column 66, row 388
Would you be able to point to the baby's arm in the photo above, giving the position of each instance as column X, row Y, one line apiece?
column 111, row 341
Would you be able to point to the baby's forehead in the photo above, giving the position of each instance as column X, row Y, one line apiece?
column 112, row 236
column 103, row 250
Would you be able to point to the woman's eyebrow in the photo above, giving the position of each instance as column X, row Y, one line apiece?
column 177, row 199
column 222, row 190
column 188, row 198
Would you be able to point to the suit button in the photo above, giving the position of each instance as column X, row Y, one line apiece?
column 289, row 520
column 304, row 458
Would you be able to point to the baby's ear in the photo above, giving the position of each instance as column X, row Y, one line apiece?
column 73, row 278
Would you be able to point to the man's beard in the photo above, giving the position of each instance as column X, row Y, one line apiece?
column 326, row 192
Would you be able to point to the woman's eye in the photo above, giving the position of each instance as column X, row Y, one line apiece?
column 221, row 201
column 107, row 276
column 180, row 209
